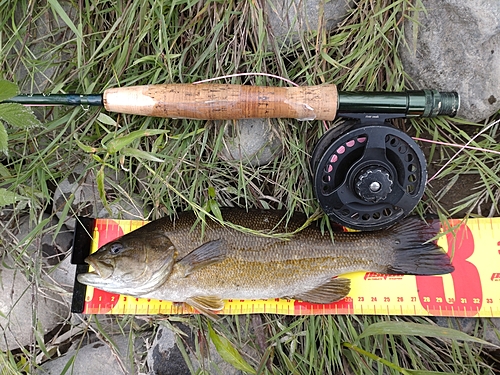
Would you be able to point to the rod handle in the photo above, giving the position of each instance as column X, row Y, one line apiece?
column 224, row 101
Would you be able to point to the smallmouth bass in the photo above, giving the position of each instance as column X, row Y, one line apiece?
column 171, row 260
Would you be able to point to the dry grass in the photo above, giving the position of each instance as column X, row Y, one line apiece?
column 104, row 44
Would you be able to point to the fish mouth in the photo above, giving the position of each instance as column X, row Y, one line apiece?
column 99, row 277
column 101, row 269
column 90, row 278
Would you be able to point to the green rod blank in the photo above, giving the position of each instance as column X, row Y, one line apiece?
column 424, row 103
column 57, row 99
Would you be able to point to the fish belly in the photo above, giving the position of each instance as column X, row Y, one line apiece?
column 237, row 279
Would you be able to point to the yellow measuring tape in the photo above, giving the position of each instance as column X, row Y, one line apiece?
column 472, row 290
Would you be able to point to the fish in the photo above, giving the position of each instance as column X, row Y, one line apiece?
column 181, row 261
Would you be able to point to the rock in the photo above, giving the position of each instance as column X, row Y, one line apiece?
column 491, row 330
column 53, row 249
column 46, row 31
column 83, row 191
column 19, row 299
column 251, row 141
column 64, row 274
column 81, row 187
column 289, row 18
column 456, row 47
column 130, row 208
column 165, row 357
column 94, row 358
column 465, row 325
column 18, row 305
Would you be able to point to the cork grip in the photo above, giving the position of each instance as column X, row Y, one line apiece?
column 224, row 102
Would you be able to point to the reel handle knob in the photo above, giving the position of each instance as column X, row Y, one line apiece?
column 373, row 184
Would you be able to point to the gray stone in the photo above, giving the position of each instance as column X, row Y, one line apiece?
column 491, row 330
column 25, row 308
column 94, row 358
column 45, row 32
column 455, row 47
column 290, row 18
column 251, row 141
column 130, row 208
column 63, row 274
column 165, row 357
column 53, row 251
column 52, row 248
column 82, row 189
column 465, row 325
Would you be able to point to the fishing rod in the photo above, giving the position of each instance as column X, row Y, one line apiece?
column 366, row 174
column 233, row 102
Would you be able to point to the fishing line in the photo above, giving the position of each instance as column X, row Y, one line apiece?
column 367, row 174
column 463, row 148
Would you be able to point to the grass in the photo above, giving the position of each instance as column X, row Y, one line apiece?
column 88, row 46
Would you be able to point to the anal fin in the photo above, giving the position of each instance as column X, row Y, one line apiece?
column 206, row 305
column 332, row 291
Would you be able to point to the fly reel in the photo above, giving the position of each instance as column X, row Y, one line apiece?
column 368, row 176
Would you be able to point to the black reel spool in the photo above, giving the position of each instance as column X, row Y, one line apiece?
column 368, row 176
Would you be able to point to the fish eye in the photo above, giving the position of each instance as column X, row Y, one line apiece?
column 115, row 248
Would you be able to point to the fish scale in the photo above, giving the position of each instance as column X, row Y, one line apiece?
column 250, row 280
column 184, row 266
column 308, row 243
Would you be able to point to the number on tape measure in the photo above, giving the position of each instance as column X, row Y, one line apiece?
column 472, row 289
column 468, row 294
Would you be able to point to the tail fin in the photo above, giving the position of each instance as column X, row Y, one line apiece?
column 415, row 253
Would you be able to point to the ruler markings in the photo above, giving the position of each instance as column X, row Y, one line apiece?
column 446, row 295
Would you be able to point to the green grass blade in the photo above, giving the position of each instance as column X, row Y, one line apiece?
column 421, row 372
column 140, row 154
column 64, row 16
column 228, row 352
column 118, row 143
column 417, row 329
column 4, row 140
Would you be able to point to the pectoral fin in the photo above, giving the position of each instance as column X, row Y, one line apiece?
column 206, row 305
column 208, row 253
column 331, row 291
